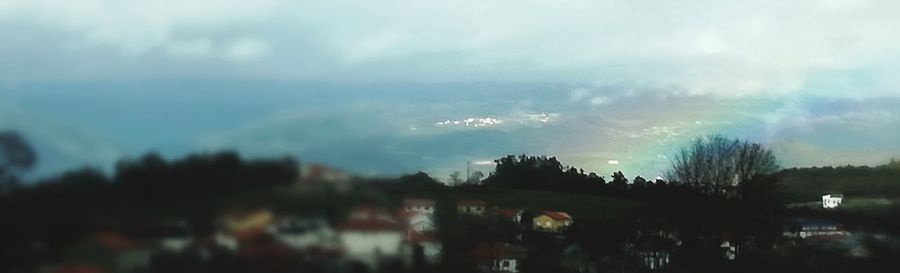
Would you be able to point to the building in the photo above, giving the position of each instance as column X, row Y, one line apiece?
column 306, row 234
column 371, row 237
column 471, row 207
column 109, row 251
column 554, row 221
column 830, row 201
column 318, row 176
column 175, row 236
column 514, row 215
column 419, row 221
column 430, row 245
column 804, row 228
column 245, row 225
column 652, row 251
column 498, row 257
column 419, row 205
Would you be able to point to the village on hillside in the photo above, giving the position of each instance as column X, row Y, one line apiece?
column 411, row 233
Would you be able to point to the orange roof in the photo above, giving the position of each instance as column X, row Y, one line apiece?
column 498, row 250
column 113, row 240
column 508, row 213
column 370, row 218
column 558, row 215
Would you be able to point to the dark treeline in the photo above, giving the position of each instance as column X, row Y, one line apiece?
column 65, row 208
column 805, row 184
column 669, row 204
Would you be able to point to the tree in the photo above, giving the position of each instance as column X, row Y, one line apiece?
column 476, row 177
column 717, row 163
column 16, row 156
column 454, row 178
column 619, row 183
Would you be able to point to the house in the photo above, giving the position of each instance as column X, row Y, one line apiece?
column 430, row 245
column 498, row 257
column 471, row 207
column 318, row 176
column 729, row 246
column 514, row 215
column 175, row 236
column 652, row 251
column 419, row 205
column 420, row 232
column 805, row 228
column 830, row 201
column 108, row 251
column 371, row 237
column 418, row 221
column 245, row 225
column 306, row 233
column 554, row 221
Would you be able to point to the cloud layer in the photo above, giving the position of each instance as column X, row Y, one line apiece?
column 838, row 48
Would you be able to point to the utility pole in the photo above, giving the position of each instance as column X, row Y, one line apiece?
column 468, row 174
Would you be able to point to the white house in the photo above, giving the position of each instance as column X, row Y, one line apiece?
column 498, row 257
column 813, row 227
column 830, row 201
column 471, row 207
column 421, row 222
column 305, row 233
column 175, row 236
column 418, row 205
column 432, row 248
column 371, row 236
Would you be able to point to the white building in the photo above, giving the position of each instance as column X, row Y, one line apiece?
column 813, row 227
column 830, row 201
column 371, row 236
column 471, row 207
column 305, row 233
column 498, row 257
column 421, row 222
column 418, row 205
column 175, row 236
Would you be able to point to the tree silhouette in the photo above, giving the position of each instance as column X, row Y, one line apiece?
column 16, row 156
column 716, row 163
column 454, row 178
column 475, row 177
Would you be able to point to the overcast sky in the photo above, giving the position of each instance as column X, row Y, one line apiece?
column 398, row 86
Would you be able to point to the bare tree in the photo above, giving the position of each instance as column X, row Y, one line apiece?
column 717, row 163
column 475, row 177
column 16, row 156
column 454, row 178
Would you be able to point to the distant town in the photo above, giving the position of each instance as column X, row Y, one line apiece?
column 221, row 213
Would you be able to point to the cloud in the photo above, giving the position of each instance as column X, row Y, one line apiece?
column 247, row 49
column 763, row 48
column 599, row 100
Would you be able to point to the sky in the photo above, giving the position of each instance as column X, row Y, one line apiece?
column 388, row 87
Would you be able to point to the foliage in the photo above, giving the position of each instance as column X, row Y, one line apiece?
column 809, row 184
column 716, row 162
column 16, row 156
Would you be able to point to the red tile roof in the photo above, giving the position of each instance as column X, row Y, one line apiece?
column 498, row 250
column 369, row 218
column 508, row 213
column 558, row 215
column 114, row 240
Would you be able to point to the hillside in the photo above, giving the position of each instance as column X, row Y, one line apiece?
column 808, row 184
